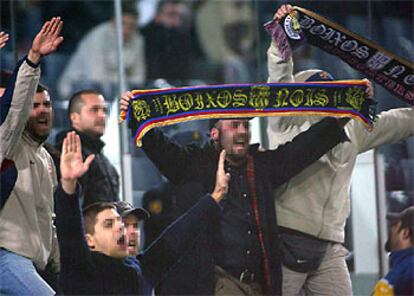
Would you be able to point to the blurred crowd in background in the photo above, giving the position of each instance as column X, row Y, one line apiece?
column 193, row 42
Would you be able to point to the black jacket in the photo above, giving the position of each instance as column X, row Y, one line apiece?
column 101, row 181
column 84, row 272
column 272, row 168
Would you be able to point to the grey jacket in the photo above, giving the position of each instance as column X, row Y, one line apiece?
column 26, row 226
column 317, row 201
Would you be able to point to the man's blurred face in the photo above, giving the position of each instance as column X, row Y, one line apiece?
column 91, row 118
column 129, row 26
column 394, row 238
column 109, row 237
column 173, row 15
column 234, row 137
column 40, row 120
column 133, row 234
column 2, row 89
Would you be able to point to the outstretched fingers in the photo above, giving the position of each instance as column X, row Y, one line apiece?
column 221, row 161
column 45, row 28
column 71, row 142
column 125, row 100
column 56, row 27
column 282, row 11
column 3, row 39
column 88, row 161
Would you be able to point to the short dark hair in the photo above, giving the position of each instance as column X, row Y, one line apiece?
column 163, row 3
column 91, row 211
column 76, row 101
column 129, row 7
column 41, row 88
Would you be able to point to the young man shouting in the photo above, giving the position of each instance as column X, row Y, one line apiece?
column 94, row 248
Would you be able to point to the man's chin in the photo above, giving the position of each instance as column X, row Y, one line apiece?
column 237, row 158
column 99, row 133
column 40, row 137
column 132, row 251
column 239, row 153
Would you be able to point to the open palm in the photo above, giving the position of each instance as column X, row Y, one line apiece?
column 72, row 165
column 48, row 39
column 222, row 179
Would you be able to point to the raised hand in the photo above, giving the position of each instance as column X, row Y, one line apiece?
column 222, row 179
column 125, row 101
column 370, row 88
column 3, row 39
column 47, row 40
column 72, row 165
column 283, row 10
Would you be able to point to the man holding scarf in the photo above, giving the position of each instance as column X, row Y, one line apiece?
column 313, row 206
column 239, row 254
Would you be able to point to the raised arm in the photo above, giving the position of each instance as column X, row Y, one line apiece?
column 74, row 252
column 389, row 127
column 279, row 69
column 291, row 158
column 180, row 164
column 16, row 102
column 177, row 238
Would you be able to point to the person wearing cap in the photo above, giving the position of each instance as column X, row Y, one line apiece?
column 312, row 207
column 240, row 254
column 400, row 279
column 94, row 244
column 131, row 217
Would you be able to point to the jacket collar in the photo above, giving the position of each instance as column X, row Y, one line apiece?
column 398, row 256
column 30, row 140
column 93, row 143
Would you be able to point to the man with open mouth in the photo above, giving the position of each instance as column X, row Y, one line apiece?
column 95, row 247
column 28, row 178
column 239, row 255
column 131, row 217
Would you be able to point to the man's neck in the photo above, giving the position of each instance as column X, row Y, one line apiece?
column 236, row 162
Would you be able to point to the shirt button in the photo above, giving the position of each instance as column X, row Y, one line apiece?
column 248, row 214
column 248, row 252
column 249, row 232
column 244, row 195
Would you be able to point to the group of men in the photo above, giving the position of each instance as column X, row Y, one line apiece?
column 93, row 244
column 245, row 236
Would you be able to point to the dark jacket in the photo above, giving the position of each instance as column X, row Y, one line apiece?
column 85, row 272
column 272, row 168
column 400, row 279
column 101, row 181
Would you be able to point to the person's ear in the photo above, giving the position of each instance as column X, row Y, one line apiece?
column 214, row 134
column 90, row 241
column 74, row 117
column 405, row 233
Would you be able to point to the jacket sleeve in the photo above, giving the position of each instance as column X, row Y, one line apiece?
column 177, row 238
column 74, row 252
column 15, row 106
column 54, row 258
column 279, row 69
column 289, row 159
column 390, row 127
column 180, row 164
